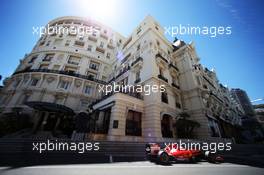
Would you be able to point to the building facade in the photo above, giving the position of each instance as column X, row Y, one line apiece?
column 62, row 76
column 259, row 110
column 241, row 97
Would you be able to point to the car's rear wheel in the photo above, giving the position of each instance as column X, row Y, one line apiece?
column 192, row 160
column 164, row 158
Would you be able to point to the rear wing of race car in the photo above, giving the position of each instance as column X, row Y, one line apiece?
column 152, row 148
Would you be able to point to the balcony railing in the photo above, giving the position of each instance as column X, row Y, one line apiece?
column 162, row 78
column 121, row 73
column 175, row 85
column 87, row 77
column 137, row 60
column 137, row 80
column 173, row 66
column 209, row 81
column 73, row 62
column 160, row 56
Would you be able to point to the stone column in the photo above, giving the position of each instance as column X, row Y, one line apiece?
column 57, row 123
column 118, row 112
column 44, row 121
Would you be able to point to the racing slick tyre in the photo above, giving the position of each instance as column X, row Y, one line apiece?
column 163, row 158
column 214, row 158
column 192, row 160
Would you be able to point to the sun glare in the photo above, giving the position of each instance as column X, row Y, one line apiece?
column 98, row 9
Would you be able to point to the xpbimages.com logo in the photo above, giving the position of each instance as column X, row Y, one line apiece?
column 211, row 31
column 65, row 30
column 79, row 147
column 212, row 147
column 146, row 89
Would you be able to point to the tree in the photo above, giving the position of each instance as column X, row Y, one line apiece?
column 185, row 126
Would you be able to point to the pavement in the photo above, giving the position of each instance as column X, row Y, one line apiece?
column 134, row 168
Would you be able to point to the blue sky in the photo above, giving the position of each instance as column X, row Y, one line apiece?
column 237, row 58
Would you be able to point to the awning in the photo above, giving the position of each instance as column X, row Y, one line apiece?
column 50, row 107
column 108, row 105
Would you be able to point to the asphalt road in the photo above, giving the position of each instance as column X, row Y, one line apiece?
column 135, row 168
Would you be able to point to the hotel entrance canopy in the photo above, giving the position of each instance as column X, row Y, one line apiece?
column 50, row 107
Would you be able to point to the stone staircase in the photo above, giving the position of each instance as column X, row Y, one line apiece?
column 19, row 151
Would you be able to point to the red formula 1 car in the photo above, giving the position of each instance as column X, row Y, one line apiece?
column 171, row 153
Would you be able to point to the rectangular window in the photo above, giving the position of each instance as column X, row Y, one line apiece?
column 34, row 81
column 94, row 66
column 74, row 60
column 138, row 47
column 90, row 48
column 198, row 80
column 64, row 84
column 101, row 44
column 67, row 42
column 49, row 57
column 177, row 102
column 164, row 97
column 88, row 89
column 133, row 123
column 115, row 124
column 108, row 55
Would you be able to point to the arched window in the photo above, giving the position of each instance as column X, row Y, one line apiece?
column 164, row 97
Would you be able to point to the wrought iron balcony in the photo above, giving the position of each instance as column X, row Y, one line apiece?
column 121, row 73
column 160, row 56
column 173, row 66
column 175, row 85
column 69, row 73
column 137, row 60
column 162, row 78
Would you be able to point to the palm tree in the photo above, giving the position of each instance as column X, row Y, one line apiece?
column 185, row 126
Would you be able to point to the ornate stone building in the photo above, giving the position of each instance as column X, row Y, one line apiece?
column 62, row 76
